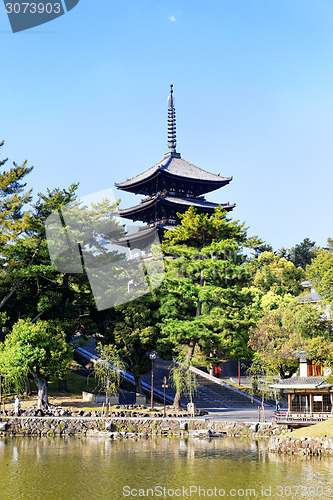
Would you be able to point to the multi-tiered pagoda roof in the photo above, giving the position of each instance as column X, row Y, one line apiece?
column 171, row 186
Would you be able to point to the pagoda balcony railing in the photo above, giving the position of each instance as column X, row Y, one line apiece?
column 172, row 222
column 301, row 418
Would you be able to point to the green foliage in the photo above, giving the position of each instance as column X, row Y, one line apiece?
column 108, row 368
column 39, row 349
column 183, row 379
column 261, row 377
column 278, row 275
column 303, row 253
column 29, row 285
column 320, row 273
column 13, row 198
column 284, row 331
column 204, row 298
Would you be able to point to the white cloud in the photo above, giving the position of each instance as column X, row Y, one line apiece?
column 172, row 19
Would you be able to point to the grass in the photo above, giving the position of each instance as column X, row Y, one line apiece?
column 318, row 430
column 75, row 384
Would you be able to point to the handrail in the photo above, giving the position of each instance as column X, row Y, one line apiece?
column 217, row 381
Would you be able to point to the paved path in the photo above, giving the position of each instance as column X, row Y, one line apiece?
column 239, row 415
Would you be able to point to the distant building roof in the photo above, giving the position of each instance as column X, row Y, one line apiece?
column 311, row 297
column 301, row 383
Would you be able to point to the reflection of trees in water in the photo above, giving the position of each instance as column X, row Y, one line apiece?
column 227, row 448
column 100, row 467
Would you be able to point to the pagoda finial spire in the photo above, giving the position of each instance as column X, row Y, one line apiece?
column 171, row 122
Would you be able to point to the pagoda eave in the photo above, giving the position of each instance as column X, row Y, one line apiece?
column 176, row 173
column 147, row 210
column 162, row 180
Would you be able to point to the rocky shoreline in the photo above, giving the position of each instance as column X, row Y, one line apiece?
column 301, row 446
column 132, row 427
column 119, row 425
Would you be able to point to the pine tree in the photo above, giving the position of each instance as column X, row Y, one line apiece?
column 205, row 298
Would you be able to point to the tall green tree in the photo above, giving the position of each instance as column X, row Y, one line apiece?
column 108, row 369
column 15, row 220
column 205, row 300
column 303, row 253
column 288, row 329
column 37, row 349
column 30, row 286
column 320, row 273
column 278, row 275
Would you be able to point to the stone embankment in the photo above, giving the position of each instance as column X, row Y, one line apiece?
column 132, row 427
column 301, row 446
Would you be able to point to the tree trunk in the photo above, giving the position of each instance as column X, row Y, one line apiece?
column 137, row 378
column 42, row 388
column 190, row 351
column 28, row 386
column 135, row 365
column 62, row 385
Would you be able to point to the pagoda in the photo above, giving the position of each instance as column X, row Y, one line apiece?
column 171, row 187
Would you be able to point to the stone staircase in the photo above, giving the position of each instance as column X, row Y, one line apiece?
column 209, row 394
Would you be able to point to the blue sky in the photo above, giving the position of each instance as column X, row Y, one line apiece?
column 84, row 99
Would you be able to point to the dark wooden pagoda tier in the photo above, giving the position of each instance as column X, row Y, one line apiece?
column 176, row 176
column 163, row 209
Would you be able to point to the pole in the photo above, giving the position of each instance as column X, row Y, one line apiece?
column 239, row 372
column 152, row 384
column 164, row 385
column 164, row 414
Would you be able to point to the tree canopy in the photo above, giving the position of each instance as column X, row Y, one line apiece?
column 284, row 331
column 37, row 349
column 320, row 273
column 278, row 275
column 204, row 300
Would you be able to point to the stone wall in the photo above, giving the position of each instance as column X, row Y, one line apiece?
column 131, row 427
column 301, row 446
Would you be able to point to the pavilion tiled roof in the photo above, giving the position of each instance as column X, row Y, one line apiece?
column 301, row 383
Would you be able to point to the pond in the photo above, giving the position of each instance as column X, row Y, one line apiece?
column 98, row 469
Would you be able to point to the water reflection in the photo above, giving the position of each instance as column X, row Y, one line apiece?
column 101, row 468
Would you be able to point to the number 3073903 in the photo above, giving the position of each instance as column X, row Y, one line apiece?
column 33, row 8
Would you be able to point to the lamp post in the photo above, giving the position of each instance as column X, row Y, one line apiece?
column 165, row 386
column 153, row 356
